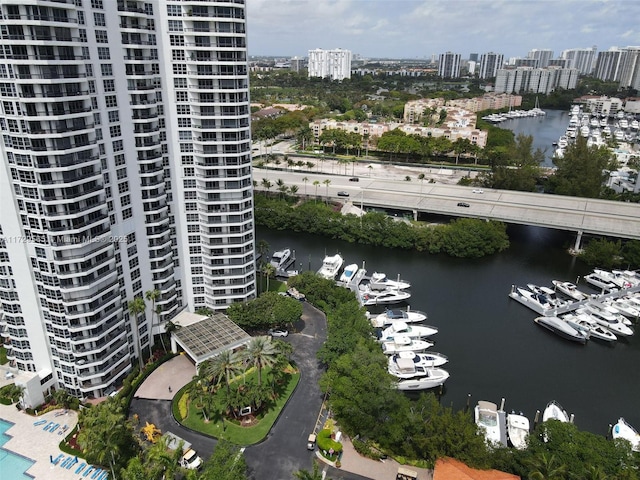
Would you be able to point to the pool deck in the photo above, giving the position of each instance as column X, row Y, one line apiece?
column 36, row 444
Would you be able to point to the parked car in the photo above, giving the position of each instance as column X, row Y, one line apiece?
column 276, row 332
column 463, row 204
column 354, row 179
column 343, row 194
column 477, row 190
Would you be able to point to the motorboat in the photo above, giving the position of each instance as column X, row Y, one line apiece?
column 281, row 259
column 379, row 281
column 626, row 307
column 570, row 290
column 382, row 297
column 554, row 411
column 541, row 301
column 405, row 344
column 617, row 278
column 587, row 324
column 562, row 328
column 433, row 377
column 596, row 281
column 609, row 309
column 486, row 417
column 429, row 359
column 330, row 266
column 608, row 321
column 624, row 431
column 397, row 315
column 401, row 328
column 348, row 273
column 548, row 293
column 629, row 277
column 518, row 430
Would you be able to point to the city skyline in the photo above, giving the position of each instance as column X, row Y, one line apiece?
column 425, row 28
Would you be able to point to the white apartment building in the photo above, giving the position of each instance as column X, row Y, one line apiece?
column 536, row 80
column 125, row 168
column 449, row 65
column 582, row 59
column 630, row 68
column 489, row 64
column 542, row 57
column 608, row 65
column 335, row 64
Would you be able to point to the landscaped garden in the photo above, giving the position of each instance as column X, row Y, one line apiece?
column 237, row 396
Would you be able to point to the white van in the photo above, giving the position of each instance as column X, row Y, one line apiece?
column 191, row 460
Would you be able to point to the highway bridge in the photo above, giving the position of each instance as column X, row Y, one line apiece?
column 580, row 215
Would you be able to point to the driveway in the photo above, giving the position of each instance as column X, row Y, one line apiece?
column 284, row 451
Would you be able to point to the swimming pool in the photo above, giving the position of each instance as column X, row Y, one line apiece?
column 12, row 465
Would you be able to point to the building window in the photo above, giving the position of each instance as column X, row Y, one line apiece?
column 115, row 131
column 127, row 213
column 123, row 187
column 103, row 53
column 109, row 85
column 114, row 116
column 101, row 36
column 98, row 19
column 106, row 69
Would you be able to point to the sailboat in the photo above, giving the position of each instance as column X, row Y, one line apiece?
column 536, row 110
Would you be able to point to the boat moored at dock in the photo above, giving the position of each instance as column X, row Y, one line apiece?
column 397, row 315
column 562, row 329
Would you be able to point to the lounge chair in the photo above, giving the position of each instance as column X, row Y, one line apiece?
column 80, row 468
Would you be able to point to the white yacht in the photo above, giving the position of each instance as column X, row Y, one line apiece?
column 623, row 123
column 563, row 329
column 554, row 411
column 540, row 301
column 598, row 282
column 382, row 297
column 432, row 377
column 563, row 142
column 397, row 315
column 330, row 266
column 281, row 259
column 627, row 308
column 486, row 417
column 623, row 430
column 635, row 125
column 548, row 293
column 518, row 430
column 617, row 277
column 348, row 273
column 429, row 359
column 629, row 277
column 608, row 321
column 405, row 344
column 570, row 290
column 589, row 325
column 402, row 329
column 584, row 131
column 379, row 281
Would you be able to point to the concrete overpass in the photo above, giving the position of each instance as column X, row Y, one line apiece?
column 581, row 215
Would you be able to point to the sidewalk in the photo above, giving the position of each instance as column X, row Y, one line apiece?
column 386, row 469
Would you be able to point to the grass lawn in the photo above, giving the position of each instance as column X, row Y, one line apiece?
column 3, row 355
column 224, row 429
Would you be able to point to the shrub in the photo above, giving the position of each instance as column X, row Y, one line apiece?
column 183, row 406
column 326, row 443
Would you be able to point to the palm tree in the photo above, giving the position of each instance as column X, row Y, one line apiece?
column 266, row 184
column 293, row 189
column 268, row 271
column 316, row 474
column 327, row 182
column 316, row 183
column 305, row 180
column 421, row 178
column 261, row 352
column 223, row 366
column 546, row 467
column 154, row 295
column 262, row 248
column 160, row 460
column 137, row 307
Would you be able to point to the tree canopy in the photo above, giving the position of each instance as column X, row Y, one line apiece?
column 266, row 311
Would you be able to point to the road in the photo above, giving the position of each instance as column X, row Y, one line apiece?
column 438, row 192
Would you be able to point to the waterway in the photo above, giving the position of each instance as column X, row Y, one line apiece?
column 545, row 130
column 495, row 349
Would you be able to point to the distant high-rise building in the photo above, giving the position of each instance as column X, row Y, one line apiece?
column 558, row 62
column 630, row 68
column 542, row 57
column 582, row 59
column 449, row 65
column 473, row 57
column 489, row 64
column 126, row 156
column 608, row 65
column 297, row 64
column 335, row 64
column 526, row 62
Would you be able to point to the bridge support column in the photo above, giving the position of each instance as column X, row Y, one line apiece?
column 576, row 246
column 415, row 215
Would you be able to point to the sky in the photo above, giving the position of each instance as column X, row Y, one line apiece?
column 420, row 28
